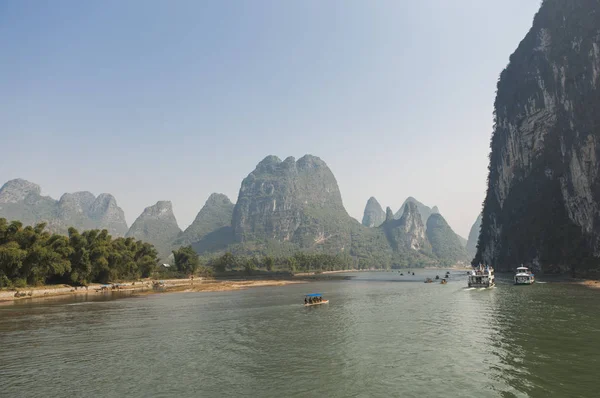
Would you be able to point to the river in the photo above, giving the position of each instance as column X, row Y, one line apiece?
column 381, row 335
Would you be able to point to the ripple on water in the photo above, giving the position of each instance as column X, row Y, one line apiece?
column 376, row 338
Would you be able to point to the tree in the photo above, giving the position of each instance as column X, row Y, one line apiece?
column 249, row 265
column 186, row 260
column 31, row 255
column 292, row 264
column 269, row 263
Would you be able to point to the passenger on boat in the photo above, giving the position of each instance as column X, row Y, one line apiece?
column 305, row 300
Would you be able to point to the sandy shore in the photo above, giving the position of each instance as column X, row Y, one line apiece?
column 140, row 287
column 589, row 283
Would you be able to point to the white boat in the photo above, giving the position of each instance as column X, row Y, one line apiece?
column 482, row 277
column 524, row 276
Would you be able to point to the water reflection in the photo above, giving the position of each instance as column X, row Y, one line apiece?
column 549, row 339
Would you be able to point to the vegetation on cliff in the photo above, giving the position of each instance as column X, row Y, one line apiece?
column 444, row 242
column 541, row 207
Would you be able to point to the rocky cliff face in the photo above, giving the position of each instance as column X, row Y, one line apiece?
column 291, row 201
column 374, row 215
column 424, row 211
column 473, row 237
column 542, row 206
column 74, row 209
column 22, row 200
column 157, row 225
column 107, row 215
column 15, row 191
column 214, row 215
column 445, row 243
column 407, row 233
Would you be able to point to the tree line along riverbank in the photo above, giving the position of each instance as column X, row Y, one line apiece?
column 32, row 261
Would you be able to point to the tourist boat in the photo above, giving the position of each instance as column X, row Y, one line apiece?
column 524, row 276
column 428, row 280
column 482, row 277
column 314, row 299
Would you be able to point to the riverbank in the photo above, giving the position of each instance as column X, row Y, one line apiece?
column 594, row 284
column 140, row 287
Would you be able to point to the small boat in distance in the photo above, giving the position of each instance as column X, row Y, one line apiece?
column 524, row 276
column 428, row 280
column 482, row 277
column 314, row 299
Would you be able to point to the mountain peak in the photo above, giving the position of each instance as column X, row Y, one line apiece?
column 374, row 215
column 277, row 199
column 157, row 225
column 389, row 214
column 162, row 209
column 214, row 215
column 424, row 211
column 445, row 242
column 217, row 198
column 15, row 191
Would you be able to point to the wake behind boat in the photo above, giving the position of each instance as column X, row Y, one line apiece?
column 314, row 299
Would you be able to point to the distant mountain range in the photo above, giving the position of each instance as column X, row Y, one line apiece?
column 22, row 200
column 282, row 207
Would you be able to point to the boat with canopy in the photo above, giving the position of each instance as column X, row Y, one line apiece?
column 314, row 299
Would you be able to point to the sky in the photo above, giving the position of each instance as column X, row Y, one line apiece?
column 173, row 100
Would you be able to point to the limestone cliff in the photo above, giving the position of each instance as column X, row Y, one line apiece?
column 108, row 215
column 407, row 233
column 445, row 243
column 473, row 237
column 374, row 215
column 214, row 215
column 22, row 200
column 74, row 209
column 291, row 201
column 541, row 206
column 286, row 206
column 424, row 211
column 157, row 225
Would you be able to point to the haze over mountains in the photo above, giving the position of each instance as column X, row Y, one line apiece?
column 282, row 207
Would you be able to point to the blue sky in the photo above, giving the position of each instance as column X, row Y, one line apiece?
column 173, row 100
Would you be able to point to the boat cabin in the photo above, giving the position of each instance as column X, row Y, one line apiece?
column 524, row 276
column 482, row 277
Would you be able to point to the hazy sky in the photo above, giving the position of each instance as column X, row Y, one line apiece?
column 153, row 100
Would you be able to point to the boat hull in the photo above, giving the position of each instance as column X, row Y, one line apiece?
column 524, row 280
column 480, row 285
column 313, row 304
column 524, row 283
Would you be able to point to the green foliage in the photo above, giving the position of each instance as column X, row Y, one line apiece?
column 444, row 242
column 269, row 263
column 32, row 256
column 299, row 262
column 186, row 260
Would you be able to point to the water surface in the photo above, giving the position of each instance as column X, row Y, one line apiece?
column 381, row 335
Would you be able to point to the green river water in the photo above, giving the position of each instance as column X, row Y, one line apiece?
column 381, row 335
